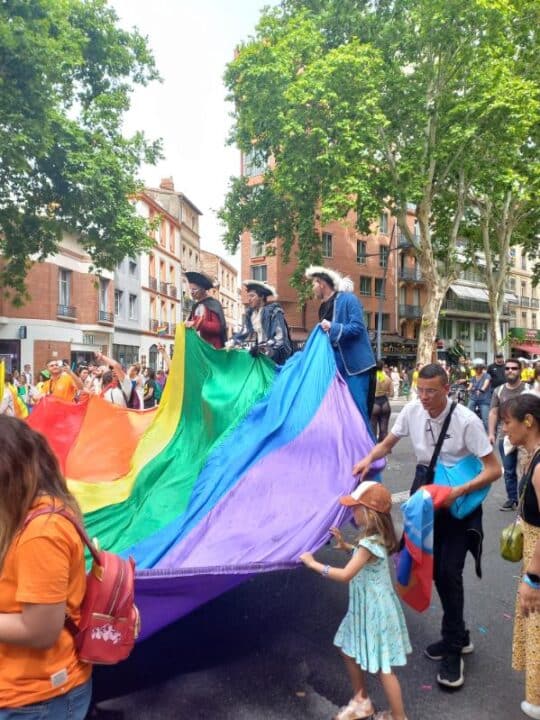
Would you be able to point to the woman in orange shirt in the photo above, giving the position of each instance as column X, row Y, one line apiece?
column 42, row 579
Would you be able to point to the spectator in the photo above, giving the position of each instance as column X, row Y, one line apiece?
column 480, row 391
column 63, row 382
column 42, row 580
column 496, row 371
column 380, row 415
column 150, row 392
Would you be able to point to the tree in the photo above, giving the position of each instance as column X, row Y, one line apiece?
column 358, row 105
column 66, row 73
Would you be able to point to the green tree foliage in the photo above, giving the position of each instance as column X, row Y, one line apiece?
column 357, row 105
column 66, row 73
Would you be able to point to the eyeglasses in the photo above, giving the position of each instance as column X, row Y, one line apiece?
column 430, row 392
column 509, row 368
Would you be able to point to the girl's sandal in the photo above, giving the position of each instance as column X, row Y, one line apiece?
column 356, row 710
column 384, row 715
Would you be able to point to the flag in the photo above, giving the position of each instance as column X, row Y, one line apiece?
column 162, row 329
column 2, row 378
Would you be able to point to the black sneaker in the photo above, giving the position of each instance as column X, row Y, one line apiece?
column 439, row 650
column 451, row 671
column 509, row 505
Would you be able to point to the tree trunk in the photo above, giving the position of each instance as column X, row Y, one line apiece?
column 495, row 328
column 428, row 326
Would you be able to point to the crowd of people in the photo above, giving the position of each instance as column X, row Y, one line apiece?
column 42, row 574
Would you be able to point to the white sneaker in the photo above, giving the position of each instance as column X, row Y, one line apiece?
column 532, row 711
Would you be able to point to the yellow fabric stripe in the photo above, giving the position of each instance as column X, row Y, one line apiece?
column 95, row 496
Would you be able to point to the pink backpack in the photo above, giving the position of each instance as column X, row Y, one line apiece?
column 110, row 621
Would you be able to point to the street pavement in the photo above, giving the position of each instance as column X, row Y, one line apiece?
column 264, row 650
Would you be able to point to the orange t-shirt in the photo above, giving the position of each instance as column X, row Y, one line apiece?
column 44, row 564
column 63, row 388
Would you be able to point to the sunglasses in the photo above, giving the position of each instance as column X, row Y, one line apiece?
column 511, row 368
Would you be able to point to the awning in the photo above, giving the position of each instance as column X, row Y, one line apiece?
column 530, row 348
column 510, row 297
column 472, row 293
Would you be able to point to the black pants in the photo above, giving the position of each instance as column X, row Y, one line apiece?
column 380, row 417
column 451, row 542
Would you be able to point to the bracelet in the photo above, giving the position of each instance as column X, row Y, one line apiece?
column 526, row 579
column 325, row 570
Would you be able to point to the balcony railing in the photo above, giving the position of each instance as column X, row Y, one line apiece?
column 163, row 288
column 152, row 283
column 106, row 317
column 410, row 311
column 466, row 305
column 414, row 274
column 66, row 311
column 161, row 326
column 173, row 292
column 524, row 301
column 535, row 303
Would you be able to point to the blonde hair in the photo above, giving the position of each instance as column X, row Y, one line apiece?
column 381, row 524
column 28, row 468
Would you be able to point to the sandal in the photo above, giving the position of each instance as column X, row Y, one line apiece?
column 384, row 715
column 356, row 710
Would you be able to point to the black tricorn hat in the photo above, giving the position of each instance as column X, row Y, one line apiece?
column 200, row 279
column 260, row 287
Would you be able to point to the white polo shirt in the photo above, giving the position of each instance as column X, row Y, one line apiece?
column 465, row 434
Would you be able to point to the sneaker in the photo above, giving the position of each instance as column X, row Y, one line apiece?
column 451, row 671
column 439, row 650
column 532, row 711
column 509, row 505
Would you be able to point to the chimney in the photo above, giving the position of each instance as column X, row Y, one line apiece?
column 167, row 184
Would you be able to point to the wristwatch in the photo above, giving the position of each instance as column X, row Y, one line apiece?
column 533, row 577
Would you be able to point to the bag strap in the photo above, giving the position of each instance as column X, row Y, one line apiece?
column 440, row 439
column 526, row 479
column 73, row 520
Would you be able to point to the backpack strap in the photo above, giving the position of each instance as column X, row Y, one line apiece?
column 73, row 520
column 440, row 440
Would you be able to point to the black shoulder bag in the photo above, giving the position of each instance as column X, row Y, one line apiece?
column 425, row 475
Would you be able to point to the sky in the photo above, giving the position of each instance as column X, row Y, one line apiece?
column 192, row 41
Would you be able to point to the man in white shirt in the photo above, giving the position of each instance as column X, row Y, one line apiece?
column 422, row 421
column 116, row 385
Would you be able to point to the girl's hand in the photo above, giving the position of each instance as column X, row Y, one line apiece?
column 529, row 599
column 307, row 558
column 338, row 537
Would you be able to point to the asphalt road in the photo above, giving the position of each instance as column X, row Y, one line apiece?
column 264, row 651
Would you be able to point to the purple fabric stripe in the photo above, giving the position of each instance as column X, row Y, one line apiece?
column 287, row 502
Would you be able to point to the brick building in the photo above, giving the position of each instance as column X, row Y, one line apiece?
column 226, row 290
column 69, row 315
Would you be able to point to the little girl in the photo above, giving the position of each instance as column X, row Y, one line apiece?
column 373, row 635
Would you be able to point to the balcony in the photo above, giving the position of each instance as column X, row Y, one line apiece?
column 173, row 292
column 535, row 303
column 164, row 288
column 410, row 311
column 525, row 301
column 161, row 327
column 105, row 317
column 466, row 305
column 410, row 274
column 152, row 283
column 66, row 311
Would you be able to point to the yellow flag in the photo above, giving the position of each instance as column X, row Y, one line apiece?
column 2, row 378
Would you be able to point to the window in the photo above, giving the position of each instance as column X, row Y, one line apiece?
column 480, row 332
column 118, row 302
column 383, row 255
column 103, row 291
column 463, row 330
column 444, row 329
column 379, row 287
column 256, row 248
column 524, row 319
column 132, row 307
column 361, row 252
column 383, row 226
column 533, row 321
column 367, row 319
column 253, row 164
column 327, row 245
column 64, row 287
column 416, row 232
column 258, row 272
column 132, row 268
column 385, row 321
column 365, row 285
column 523, row 262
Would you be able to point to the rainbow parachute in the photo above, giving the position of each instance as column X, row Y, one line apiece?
column 237, row 472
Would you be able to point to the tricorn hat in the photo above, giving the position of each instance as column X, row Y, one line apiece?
column 260, row 287
column 330, row 276
column 199, row 279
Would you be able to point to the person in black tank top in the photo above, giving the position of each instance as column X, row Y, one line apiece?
column 521, row 422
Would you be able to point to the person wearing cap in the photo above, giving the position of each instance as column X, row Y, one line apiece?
column 480, row 391
column 373, row 634
column 265, row 323
column 422, row 420
column 341, row 317
column 206, row 316
column 496, row 371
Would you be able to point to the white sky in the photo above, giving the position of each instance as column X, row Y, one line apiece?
column 192, row 41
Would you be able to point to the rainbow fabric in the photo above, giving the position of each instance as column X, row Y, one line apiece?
column 237, row 472
column 414, row 573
